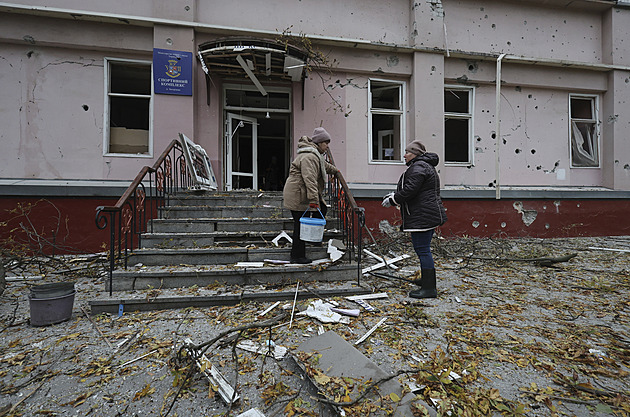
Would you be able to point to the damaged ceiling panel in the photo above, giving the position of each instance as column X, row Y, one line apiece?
column 260, row 60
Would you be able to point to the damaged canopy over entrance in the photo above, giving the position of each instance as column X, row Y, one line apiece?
column 260, row 60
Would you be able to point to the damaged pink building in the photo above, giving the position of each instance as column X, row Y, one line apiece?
column 526, row 102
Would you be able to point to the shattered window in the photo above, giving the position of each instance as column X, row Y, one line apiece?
column 584, row 131
column 128, row 111
column 386, row 120
column 458, row 103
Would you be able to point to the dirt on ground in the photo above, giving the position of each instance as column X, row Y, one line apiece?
column 520, row 327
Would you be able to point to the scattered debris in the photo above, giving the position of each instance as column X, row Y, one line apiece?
column 382, row 264
column 216, row 379
column 268, row 349
column 365, row 336
column 282, row 235
column 250, row 264
column 262, row 313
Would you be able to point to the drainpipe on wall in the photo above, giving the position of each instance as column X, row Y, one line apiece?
column 497, row 122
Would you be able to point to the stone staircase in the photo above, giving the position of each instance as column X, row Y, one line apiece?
column 204, row 238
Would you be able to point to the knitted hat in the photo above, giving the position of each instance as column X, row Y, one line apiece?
column 416, row 147
column 320, row 135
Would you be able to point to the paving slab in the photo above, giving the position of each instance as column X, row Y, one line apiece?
column 340, row 359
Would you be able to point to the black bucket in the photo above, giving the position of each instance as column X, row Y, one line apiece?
column 51, row 303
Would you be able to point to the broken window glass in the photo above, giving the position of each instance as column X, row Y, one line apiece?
column 386, row 120
column 129, row 107
column 584, row 131
column 458, row 125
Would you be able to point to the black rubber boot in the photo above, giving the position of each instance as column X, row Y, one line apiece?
column 427, row 284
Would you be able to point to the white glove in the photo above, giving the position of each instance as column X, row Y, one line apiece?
column 387, row 200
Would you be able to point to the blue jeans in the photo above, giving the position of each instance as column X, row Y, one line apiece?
column 422, row 245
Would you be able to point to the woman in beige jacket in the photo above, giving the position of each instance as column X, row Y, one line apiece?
column 304, row 188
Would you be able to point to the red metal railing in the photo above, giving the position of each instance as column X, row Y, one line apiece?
column 140, row 203
column 153, row 186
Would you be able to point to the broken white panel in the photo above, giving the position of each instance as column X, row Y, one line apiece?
column 282, row 234
column 372, row 296
column 277, row 303
column 365, row 305
column 608, row 249
column 250, row 264
column 382, row 264
column 337, row 243
column 321, row 311
column 372, row 330
column 346, row 311
column 227, row 393
column 379, row 258
column 414, row 387
column 268, row 64
column 294, row 67
column 276, row 261
column 253, row 412
column 278, row 352
column 334, row 252
column 251, row 75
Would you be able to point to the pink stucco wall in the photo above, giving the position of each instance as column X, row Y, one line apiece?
column 51, row 74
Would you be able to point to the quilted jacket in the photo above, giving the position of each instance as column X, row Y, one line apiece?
column 418, row 195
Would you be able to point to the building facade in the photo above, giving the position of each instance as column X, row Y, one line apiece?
column 526, row 102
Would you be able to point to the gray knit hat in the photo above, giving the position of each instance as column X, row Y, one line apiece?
column 320, row 135
column 416, row 147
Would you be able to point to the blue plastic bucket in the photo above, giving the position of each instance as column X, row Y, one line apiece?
column 312, row 229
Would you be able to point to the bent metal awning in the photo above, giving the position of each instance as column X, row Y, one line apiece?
column 258, row 60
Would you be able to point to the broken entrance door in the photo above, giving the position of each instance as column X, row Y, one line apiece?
column 241, row 152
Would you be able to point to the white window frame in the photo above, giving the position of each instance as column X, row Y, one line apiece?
column 270, row 89
column 402, row 111
column 107, row 95
column 463, row 116
column 594, row 120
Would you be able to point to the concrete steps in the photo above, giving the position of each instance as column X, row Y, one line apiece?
column 144, row 278
column 205, row 238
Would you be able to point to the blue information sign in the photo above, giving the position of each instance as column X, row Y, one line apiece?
column 172, row 72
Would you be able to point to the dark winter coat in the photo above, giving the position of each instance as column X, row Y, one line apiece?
column 418, row 195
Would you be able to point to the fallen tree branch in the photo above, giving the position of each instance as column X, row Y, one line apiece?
column 542, row 261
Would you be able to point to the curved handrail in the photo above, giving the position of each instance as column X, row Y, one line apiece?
column 345, row 206
column 140, row 203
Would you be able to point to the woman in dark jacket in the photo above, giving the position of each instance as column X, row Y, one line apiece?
column 418, row 197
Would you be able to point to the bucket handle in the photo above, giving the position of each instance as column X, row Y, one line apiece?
column 304, row 214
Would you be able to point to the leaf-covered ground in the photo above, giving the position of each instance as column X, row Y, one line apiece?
column 506, row 336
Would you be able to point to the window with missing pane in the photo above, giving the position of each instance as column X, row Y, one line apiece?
column 128, row 107
column 584, row 131
column 386, row 121
column 458, row 125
